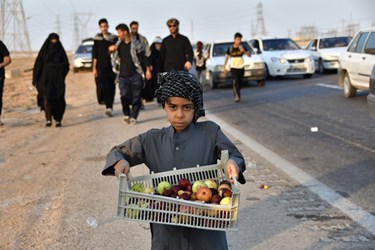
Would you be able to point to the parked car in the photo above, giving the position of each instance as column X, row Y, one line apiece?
column 356, row 63
column 371, row 96
column 82, row 58
column 254, row 65
column 284, row 57
column 326, row 52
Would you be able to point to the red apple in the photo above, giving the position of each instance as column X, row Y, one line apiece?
column 175, row 189
column 189, row 188
column 214, row 191
column 204, row 194
column 225, row 192
column 183, row 183
column 224, row 186
column 167, row 192
column 216, row 199
column 185, row 196
column 225, row 182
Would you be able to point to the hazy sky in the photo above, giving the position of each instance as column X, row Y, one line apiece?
column 200, row 19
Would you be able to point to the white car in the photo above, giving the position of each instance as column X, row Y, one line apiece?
column 254, row 65
column 326, row 52
column 356, row 63
column 283, row 57
column 82, row 58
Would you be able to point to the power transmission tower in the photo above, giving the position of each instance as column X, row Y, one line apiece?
column 260, row 27
column 58, row 25
column 80, row 22
column 13, row 25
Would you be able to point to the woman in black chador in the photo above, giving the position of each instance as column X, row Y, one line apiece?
column 50, row 69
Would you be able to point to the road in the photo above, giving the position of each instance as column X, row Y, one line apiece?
column 280, row 117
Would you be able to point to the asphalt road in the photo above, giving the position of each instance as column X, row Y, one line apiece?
column 280, row 117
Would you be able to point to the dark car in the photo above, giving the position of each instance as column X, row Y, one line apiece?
column 371, row 96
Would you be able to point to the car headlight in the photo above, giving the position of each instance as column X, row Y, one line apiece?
column 280, row 60
column 219, row 68
column 309, row 59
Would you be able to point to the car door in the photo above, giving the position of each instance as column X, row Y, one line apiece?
column 312, row 48
column 367, row 61
column 353, row 58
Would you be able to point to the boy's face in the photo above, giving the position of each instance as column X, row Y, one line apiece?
column 103, row 28
column 180, row 112
column 237, row 41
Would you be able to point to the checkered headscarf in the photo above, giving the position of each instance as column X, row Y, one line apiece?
column 181, row 84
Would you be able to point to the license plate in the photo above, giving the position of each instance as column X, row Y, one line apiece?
column 247, row 73
column 87, row 65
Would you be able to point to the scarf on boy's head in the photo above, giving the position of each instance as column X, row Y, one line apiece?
column 181, row 84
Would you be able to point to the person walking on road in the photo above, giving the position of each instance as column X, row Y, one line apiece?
column 102, row 67
column 5, row 60
column 176, row 51
column 50, row 70
column 180, row 146
column 235, row 53
column 155, row 66
column 200, row 61
column 131, row 73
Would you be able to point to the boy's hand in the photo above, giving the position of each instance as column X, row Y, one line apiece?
column 232, row 169
column 122, row 166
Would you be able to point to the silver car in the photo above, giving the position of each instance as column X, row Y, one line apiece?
column 82, row 58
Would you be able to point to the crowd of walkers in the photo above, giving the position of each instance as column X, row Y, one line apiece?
column 125, row 58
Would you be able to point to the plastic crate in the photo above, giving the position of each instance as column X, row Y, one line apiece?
column 173, row 211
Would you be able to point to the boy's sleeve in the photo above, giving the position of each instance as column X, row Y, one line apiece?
column 223, row 143
column 130, row 150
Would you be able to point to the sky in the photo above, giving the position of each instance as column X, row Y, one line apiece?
column 199, row 19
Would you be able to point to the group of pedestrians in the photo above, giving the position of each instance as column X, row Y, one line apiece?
column 125, row 58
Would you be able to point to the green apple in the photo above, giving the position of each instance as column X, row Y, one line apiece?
column 211, row 184
column 197, row 185
column 225, row 201
column 164, row 185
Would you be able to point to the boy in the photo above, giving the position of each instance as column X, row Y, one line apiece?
column 185, row 143
column 235, row 52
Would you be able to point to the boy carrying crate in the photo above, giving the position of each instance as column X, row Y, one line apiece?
column 186, row 143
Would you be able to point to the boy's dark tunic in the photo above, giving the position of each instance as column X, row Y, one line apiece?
column 162, row 150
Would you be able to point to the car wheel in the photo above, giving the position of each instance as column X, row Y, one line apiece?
column 261, row 83
column 321, row 69
column 349, row 90
column 307, row 76
column 211, row 82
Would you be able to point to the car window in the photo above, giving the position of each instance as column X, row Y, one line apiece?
column 279, row 44
column 221, row 48
column 357, row 45
column 334, row 42
column 84, row 49
column 255, row 44
column 371, row 42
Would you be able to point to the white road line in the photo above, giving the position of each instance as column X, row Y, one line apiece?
column 355, row 212
column 328, row 86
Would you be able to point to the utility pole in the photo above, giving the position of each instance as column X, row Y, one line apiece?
column 80, row 22
column 260, row 27
column 13, row 26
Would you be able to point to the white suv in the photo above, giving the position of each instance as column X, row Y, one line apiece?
column 254, row 65
column 283, row 57
column 356, row 63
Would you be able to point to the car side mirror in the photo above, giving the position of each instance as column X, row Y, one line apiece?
column 313, row 48
column 257, row 51
column 370, row 51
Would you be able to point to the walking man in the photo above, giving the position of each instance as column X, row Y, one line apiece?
column 132, row 62
column 200, row 61
column 5, row 60
column 102, row 67
column 236, row 52
column 176, row 51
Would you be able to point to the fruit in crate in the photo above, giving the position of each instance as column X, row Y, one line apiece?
column 185, row 196
column 197, row 185
column 176, row 188
column 204, row 194
column 132, row 211
column 215, row 199
column 148, row 190
column 184, row 183
column 214, row 191
column 167, row 192
column 164, row 185
column 211, row 184
column 225, row 201
column 225, row 182
column 179, row 193
column 224, row 185
column 193, row 196
column 224, row 192
column 138, row 187
column 189, row 188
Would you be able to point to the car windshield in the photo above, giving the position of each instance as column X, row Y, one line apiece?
column 279, row 44
column 220, row 49
column 334, row 42
column 84, row 49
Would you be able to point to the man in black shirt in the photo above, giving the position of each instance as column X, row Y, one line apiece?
column 5, row 60
column 176, row 51
column 132, row 62
column 102, row 67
